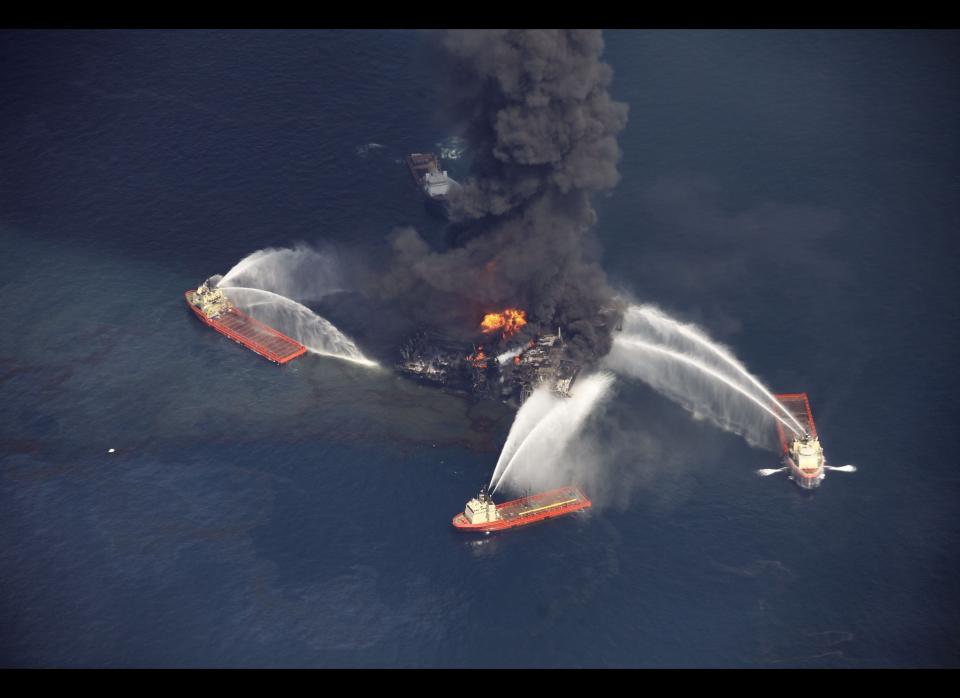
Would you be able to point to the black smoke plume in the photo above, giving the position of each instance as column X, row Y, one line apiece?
column 543, row 126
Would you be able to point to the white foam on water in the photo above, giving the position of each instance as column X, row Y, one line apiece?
column 842, row 468
column 765, row 472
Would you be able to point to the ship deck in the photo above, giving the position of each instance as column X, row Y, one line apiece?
column 253, row 334
column 539, row 503
column 798, row 405
column 264, row 336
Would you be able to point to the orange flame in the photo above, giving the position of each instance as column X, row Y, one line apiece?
column 479, row 359
column 510, row 321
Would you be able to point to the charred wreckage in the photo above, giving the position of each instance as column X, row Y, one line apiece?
column 507, row 367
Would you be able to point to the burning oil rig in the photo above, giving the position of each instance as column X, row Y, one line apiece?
column 507, row 368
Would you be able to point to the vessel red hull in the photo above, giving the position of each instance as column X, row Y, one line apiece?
column 528, row 510
column 253, row 334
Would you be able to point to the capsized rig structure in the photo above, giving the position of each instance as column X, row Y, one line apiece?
column 509, row 372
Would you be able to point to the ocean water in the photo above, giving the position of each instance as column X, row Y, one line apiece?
column 795, row 192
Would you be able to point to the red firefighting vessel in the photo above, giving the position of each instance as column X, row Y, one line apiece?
column 481, row 514
column 802, row 453
column 214, row 308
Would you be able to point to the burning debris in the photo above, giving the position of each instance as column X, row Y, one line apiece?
column 535, row 107
column 510, row 376
column 536, row 110
column 478, row 359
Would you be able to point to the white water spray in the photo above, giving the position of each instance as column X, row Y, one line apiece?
column 700, row 366
column 665, row 325
column 301, row 273
column 297, row 321
column 508, row 355
column 528, row 416
column 539, row 455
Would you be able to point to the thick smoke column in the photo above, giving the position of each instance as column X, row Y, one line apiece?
column 543, row 127
column 542, row 119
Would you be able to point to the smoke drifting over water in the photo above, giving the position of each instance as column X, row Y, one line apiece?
column 543, row 129
column 540, row 116
column 535, row 109
column 681, row 362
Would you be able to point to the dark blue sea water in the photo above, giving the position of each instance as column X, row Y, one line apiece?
column 796, row 193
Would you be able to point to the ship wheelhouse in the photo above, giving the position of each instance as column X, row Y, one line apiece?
column 481, row 509
column 807, row 454
column 436, row 184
